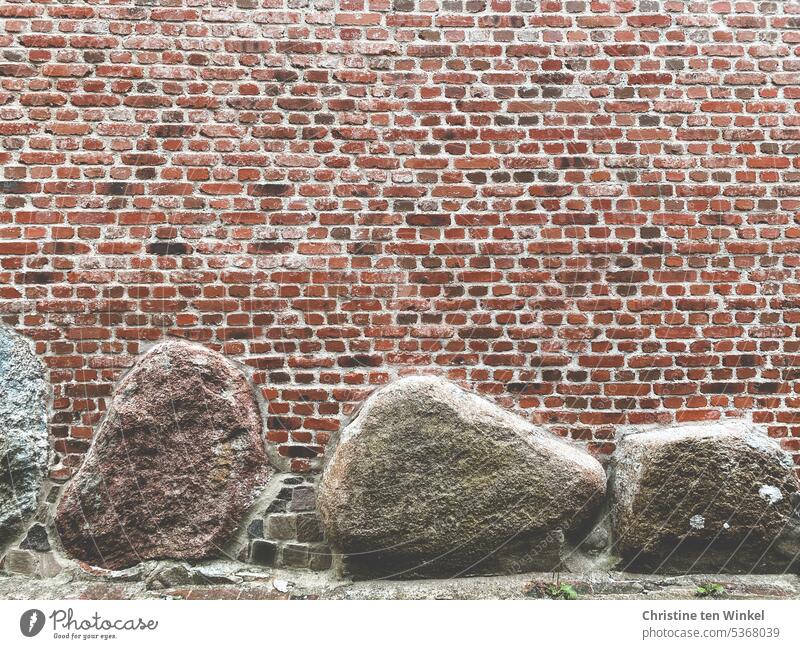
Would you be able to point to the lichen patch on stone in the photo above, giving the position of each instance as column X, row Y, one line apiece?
column 770, row 493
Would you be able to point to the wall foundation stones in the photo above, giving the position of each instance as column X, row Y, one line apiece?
column 427, row 480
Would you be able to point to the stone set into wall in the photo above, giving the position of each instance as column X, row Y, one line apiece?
column 427, row 480
column 178, row 459
column 24, row 455
column 288, row 532
column 431, row 480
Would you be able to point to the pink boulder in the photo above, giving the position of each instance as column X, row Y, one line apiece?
column 178, row 459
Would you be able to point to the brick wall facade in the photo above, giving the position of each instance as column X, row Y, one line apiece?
column 585, row 210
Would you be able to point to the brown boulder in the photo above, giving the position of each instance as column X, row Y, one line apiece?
column 177, row 460
column 430, row 480
column 704, row 498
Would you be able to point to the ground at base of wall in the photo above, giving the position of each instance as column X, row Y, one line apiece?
column 283, row 584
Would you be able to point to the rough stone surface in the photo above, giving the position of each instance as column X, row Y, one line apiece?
column 38, row 565
column 710, row 497
column 176, row 462
column 36, row 539
column 431, row 480
column 263, row 552
column 23, row 433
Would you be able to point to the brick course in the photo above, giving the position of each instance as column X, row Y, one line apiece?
column 585, row 210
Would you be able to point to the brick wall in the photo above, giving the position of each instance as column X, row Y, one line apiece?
column 586, row 210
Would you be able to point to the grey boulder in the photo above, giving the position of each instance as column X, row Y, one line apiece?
column 429, row 480
column 704, row 498
column 23, row 433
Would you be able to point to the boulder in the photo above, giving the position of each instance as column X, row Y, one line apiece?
column 174, row 465
column 23, row 433
column 429, row 480
column 703, row 498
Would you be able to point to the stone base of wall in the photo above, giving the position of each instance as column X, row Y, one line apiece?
column 427, row 480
